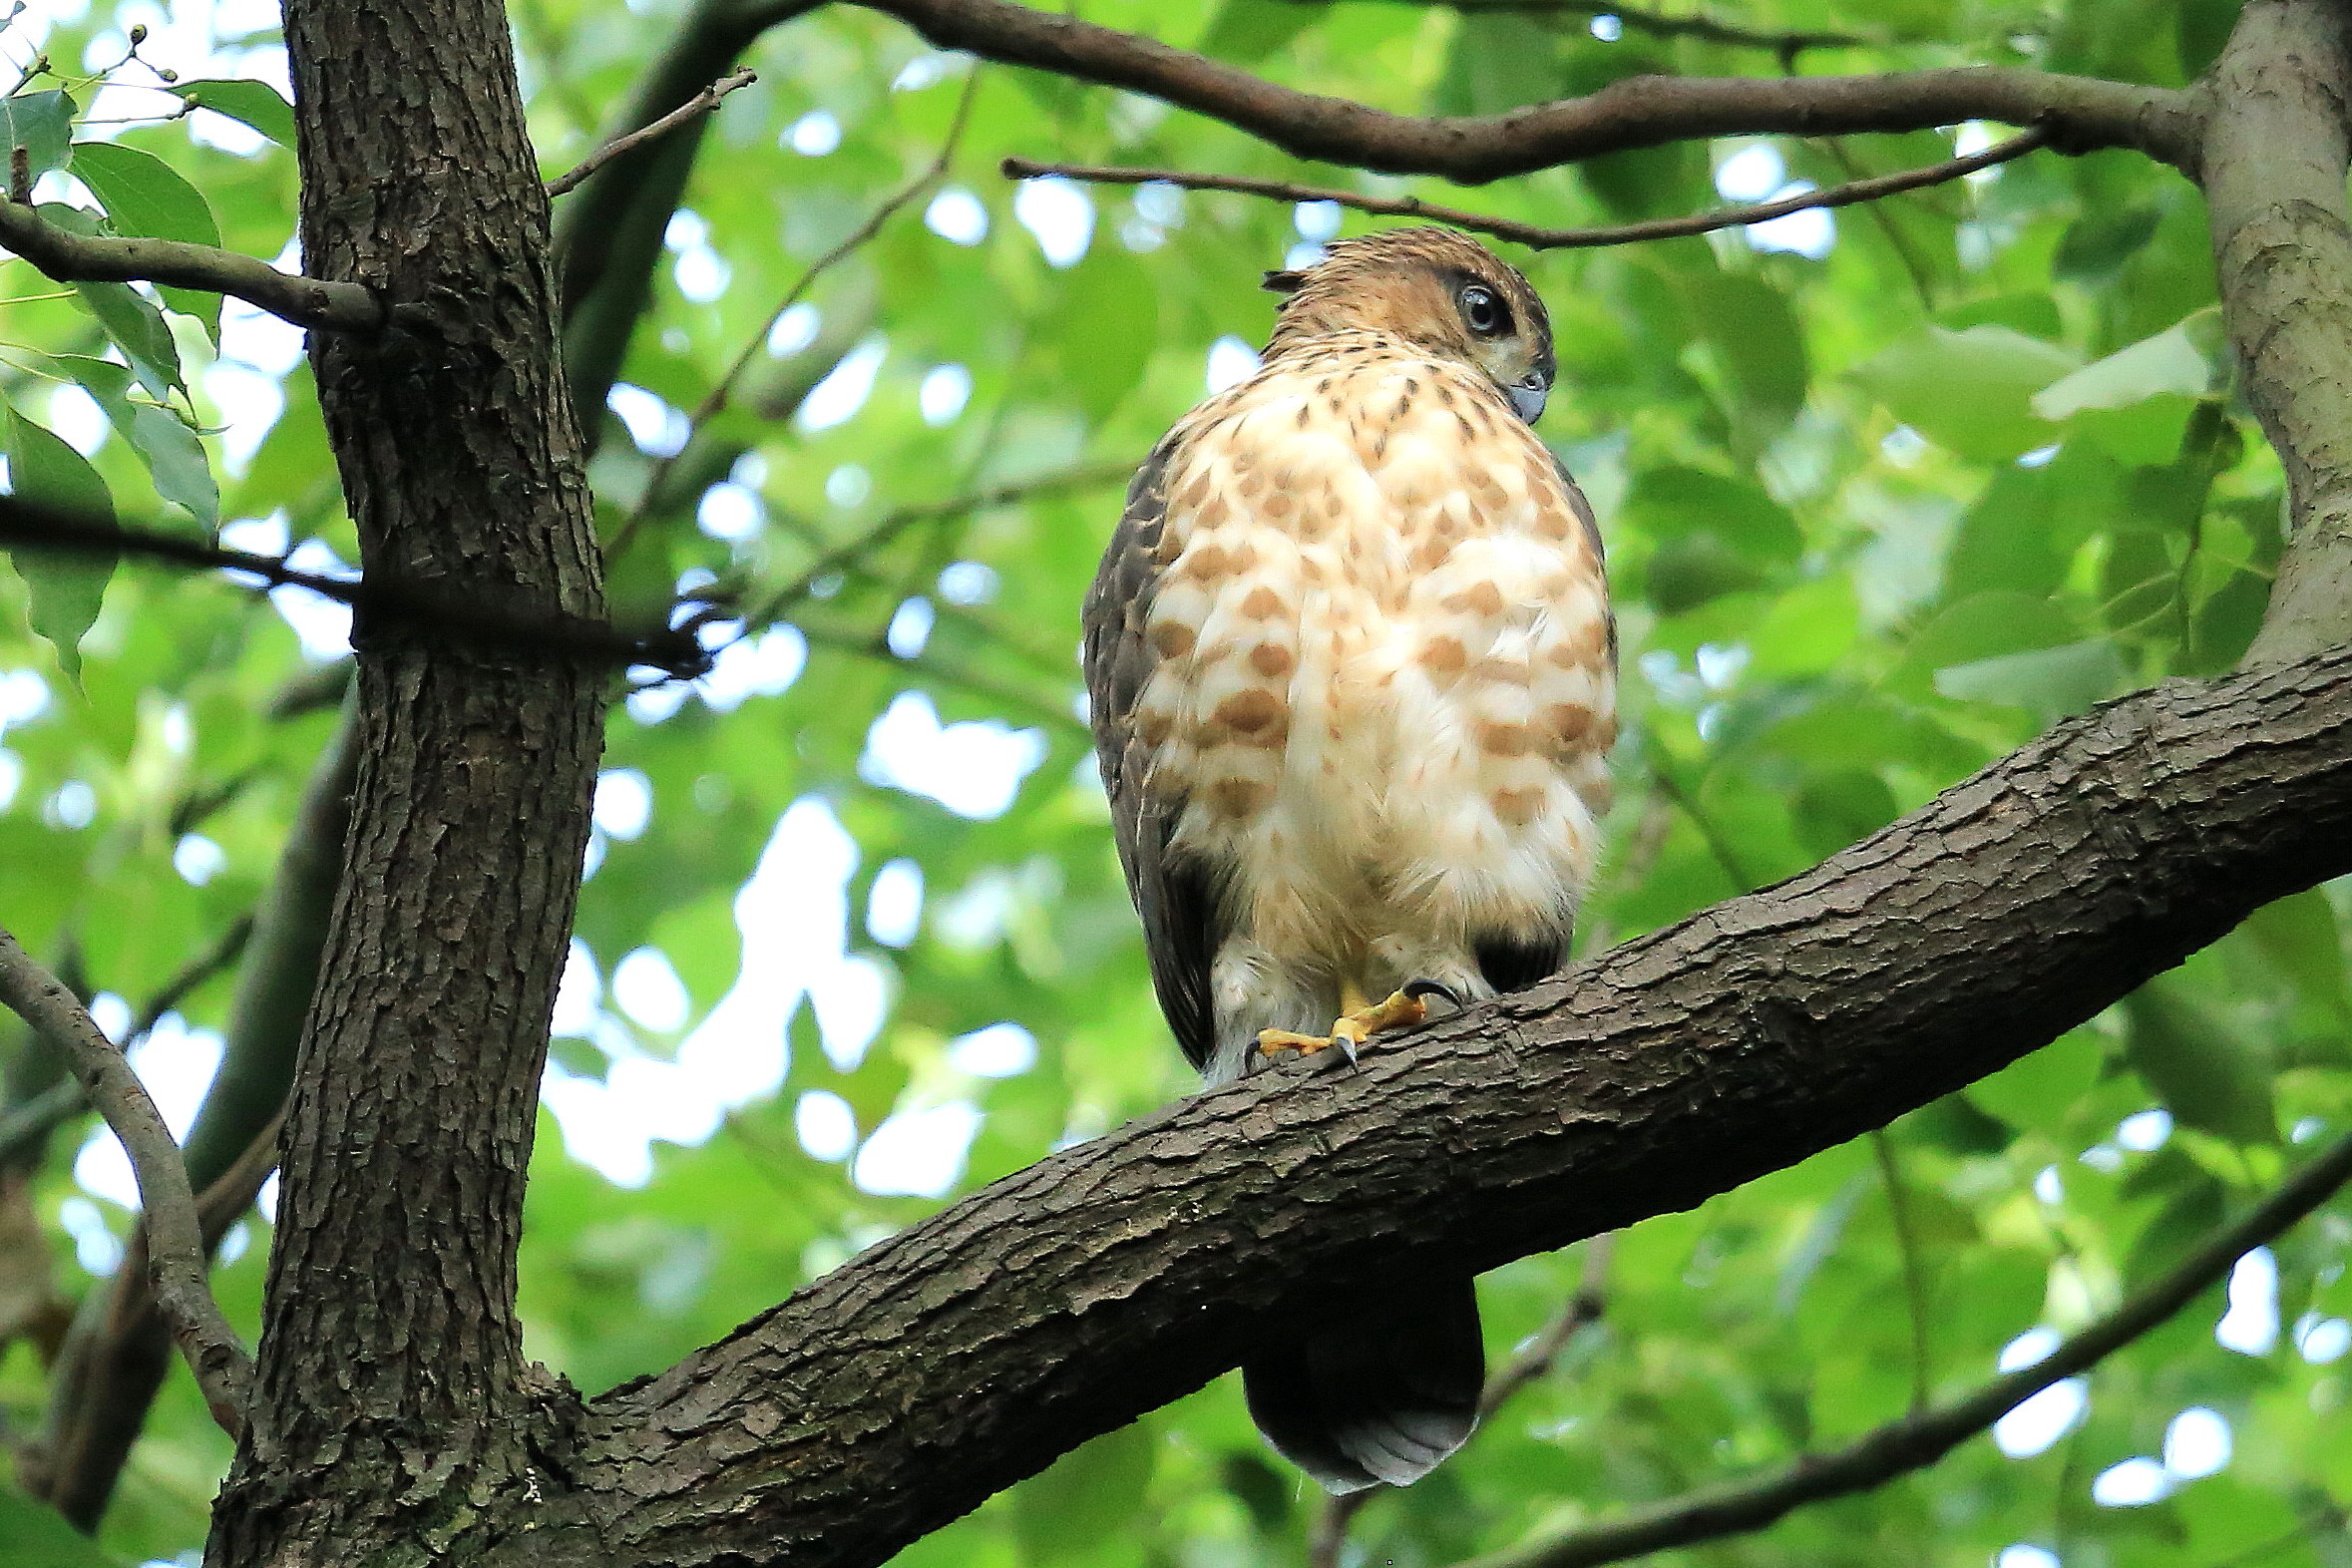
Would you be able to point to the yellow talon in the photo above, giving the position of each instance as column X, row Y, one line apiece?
column 1352, row 1029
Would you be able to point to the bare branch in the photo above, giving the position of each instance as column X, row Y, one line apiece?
column 702, row 103
column 80, row 258
column 2079, row 113
column 1658, row 24
column 716, row 399
column 673, row 650
column 1921, row 1439
column 886, row 528
column 1534, row 1358
column 1530, row 235
column 177, row 1266
column 27, row 1123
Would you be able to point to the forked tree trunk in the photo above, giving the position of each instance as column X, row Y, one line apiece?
column 390, row 1406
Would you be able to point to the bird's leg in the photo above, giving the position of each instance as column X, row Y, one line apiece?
column 1360, row 1018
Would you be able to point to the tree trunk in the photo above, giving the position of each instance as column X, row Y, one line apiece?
column 390, row 1399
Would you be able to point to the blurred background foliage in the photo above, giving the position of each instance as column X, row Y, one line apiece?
column 1885, row 494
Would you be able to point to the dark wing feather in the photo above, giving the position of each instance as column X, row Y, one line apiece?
column 1175, row 897
column 1592, row 534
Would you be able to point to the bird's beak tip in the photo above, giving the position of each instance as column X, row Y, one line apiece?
column 1528, row 398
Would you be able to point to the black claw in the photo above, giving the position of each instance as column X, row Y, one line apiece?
column 1418, row 989
column 1348, row 1050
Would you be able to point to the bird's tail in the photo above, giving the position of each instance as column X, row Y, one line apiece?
column 1383, row 1394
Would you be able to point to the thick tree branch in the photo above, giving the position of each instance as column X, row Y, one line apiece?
column 673, row 650
column 2079, row 113
column 967, row 1352
column 79, row 259
column 177, row 1264
column 702, row 103
column 2273, row 171
column 1924, row 1437
column 1535, row 235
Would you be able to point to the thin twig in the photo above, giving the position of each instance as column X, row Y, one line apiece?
column 224, row 1370
column 1898, row 1205
column 701, row 103
column 82, row 258
column 61, row 1102
column 1706, row 29
column 1918, row 1440
column 1533, row 235
column 36, row 1118
column 715, row 401
column 673, row 650
column 892, row 523
column 1326, row 1543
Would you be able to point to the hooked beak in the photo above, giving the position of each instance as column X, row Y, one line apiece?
column 1527, row 397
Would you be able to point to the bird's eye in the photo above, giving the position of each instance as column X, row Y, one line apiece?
column 1484, row 313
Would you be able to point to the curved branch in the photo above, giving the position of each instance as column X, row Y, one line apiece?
column 970, row 1351
column 2080, row 113
column 1533, row 235
column 119, row 1353
column 1920, row 1440
column 80, row 259
column 177, row 1260
column 2273, row 172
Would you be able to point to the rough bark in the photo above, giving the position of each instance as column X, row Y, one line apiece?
column 392, row 1401
column 969, row 1352
column 2273, row 171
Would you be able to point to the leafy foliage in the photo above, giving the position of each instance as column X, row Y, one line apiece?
column 1884, row 495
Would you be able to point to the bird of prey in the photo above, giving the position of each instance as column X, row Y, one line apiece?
column 1354, row 682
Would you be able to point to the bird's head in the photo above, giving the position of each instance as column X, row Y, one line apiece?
column 1437, row 290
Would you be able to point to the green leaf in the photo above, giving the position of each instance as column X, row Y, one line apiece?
column 1499, row 61
column 2179, row 359
column 130, row 317
column 173, row 454
column 1751, row 330
column 67, row 588
column 42, row 124
column 35, row 1535
column 1247, row 31
column 2206, row 1079
column 2299, row 935
column 2047, row 682
column 1716, row 535
column 1970, row 391
column 145, row 199
column 256, row 104
column 177, row 460
column 2037, row 1091
column 1107, row 329
column 1090, row 1495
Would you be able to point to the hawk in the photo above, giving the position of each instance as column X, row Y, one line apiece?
column 1354, row 683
